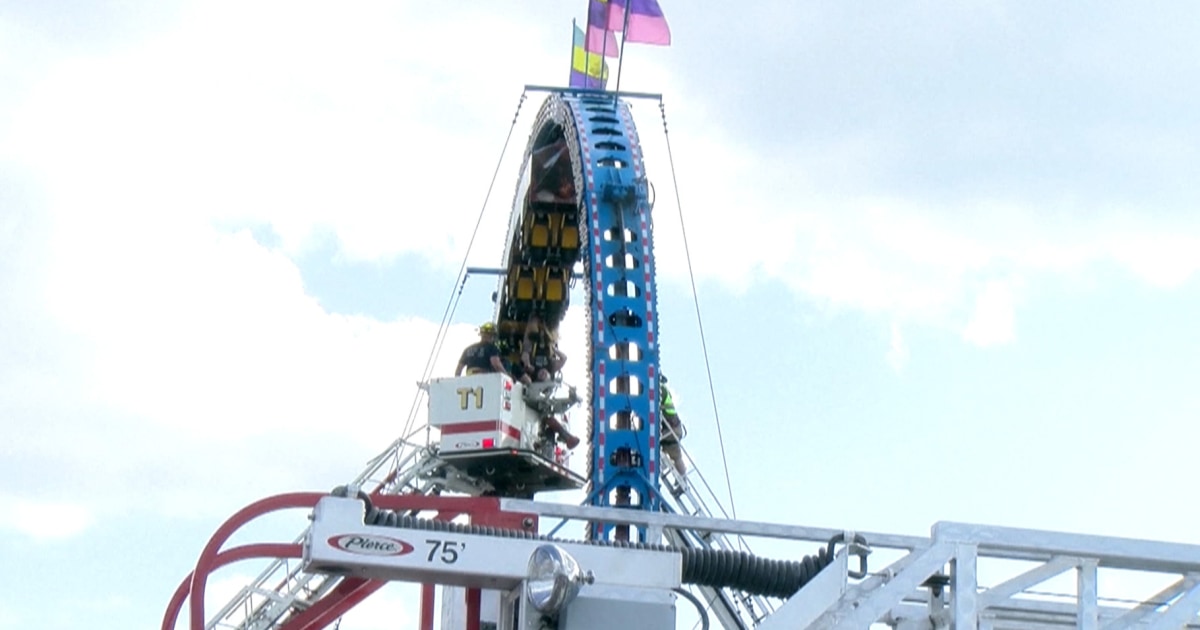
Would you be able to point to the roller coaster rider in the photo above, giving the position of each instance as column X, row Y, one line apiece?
column 483, row 356
column 542, row 361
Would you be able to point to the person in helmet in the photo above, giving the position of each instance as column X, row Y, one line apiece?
column 670, row 428
column 483, row 356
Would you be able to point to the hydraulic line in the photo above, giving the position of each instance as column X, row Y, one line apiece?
column 718, row 568
column 700, row 609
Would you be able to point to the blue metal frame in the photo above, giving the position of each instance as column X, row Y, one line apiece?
column 617, row 250
column 622, row 297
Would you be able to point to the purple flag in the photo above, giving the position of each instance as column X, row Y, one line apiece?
column 588, row 70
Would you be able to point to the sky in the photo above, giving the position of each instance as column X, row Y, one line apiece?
column 945, row 256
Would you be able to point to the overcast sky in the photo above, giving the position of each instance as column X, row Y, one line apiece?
column 946, row 256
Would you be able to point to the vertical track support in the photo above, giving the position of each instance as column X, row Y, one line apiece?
column 621, row 301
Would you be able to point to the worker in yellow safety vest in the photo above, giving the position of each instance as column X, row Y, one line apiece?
column 671, row 428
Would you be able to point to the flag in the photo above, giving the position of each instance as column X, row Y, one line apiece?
column 588, row 69
column 646, row 23
column 601, row 39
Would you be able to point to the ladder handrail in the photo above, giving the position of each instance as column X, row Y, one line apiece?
column 756, row 607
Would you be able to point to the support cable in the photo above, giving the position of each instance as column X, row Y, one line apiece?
column 456, row 290
column 699, row 321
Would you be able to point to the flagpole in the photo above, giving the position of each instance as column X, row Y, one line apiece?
column 587, row 59
column 621, row 54
column 604, row 46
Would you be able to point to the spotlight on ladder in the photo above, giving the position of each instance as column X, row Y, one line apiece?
column 553, row 579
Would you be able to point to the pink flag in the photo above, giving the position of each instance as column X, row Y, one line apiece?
column 600, row 39
column 646, row 23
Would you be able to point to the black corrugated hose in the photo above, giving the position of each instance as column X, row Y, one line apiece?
column 718, row 568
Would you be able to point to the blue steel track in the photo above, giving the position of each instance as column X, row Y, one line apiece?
column 612, row 213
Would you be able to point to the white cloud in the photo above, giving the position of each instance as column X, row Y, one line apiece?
column 732, row 231
column 915, row 255
column 917, row 264
column 897, row 355
column 44, row 521
column 177, row 316
column 345, row 126
column 1165, row 260
column 160, row 333
column 992, row 322
column 194, row 358
column 342, row 127
column 340, row 124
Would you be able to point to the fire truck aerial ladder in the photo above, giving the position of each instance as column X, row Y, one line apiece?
column 461, row 513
